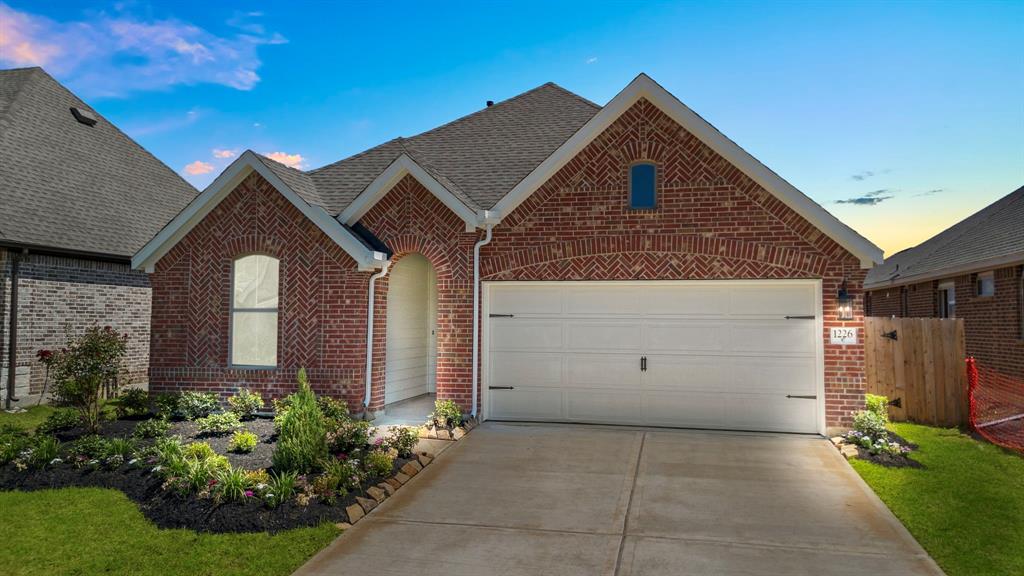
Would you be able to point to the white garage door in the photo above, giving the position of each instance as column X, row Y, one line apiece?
column 704, row 354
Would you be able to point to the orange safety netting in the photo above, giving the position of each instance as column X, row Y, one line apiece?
column 997, row 405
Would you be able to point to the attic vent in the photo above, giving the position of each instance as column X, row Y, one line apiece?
column 84, row 116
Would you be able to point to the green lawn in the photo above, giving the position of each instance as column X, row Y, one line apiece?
column 28, row 419
column 966, row 507
column 97, row 531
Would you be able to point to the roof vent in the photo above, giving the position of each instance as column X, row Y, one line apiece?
column 84, row 116
column 490, row 103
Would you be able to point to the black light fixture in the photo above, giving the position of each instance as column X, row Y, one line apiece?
column 845, row 303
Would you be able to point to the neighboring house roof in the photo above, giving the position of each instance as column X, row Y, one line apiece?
column 67, row 186
column 485, row 164
column 987, row 239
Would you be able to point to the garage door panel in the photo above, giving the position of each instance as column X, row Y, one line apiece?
column 692, row 410
column 686, row 336
column 605, row 301
column 527, row 403
column 771, row 413
column 603, row 336
column 604, row 406
column 687, row 373
column 691, row 301
column 602, row 371
column 771, row 301
column 537, row 300
column 523, row 334
column 785, row 337
column 778, row 376
column 534, row 369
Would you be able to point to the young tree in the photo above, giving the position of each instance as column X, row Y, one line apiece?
column 87, row 370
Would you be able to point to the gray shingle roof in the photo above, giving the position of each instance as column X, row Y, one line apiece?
column 479, row 157
column 997, row 231
column 68, row 186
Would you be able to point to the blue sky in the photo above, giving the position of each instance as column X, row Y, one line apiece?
column 899, row 118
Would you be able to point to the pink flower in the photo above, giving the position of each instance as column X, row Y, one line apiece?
column 378, row 441
column 211, row 482
column 248, row 493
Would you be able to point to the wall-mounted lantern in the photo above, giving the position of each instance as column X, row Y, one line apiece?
column 845, row 303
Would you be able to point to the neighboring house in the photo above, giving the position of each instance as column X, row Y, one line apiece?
column 973, row 270
column 635, row 266
column 77, row 199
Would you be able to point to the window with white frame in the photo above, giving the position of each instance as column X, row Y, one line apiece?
column 254, row 292
column 947, row 300
column 986, row 284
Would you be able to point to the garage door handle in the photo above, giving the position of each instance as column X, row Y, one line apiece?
column 501, row 388
column 501, row 315
column 811, row 317
column 808, row 397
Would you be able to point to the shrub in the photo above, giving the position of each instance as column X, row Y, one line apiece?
column 219, row 424
column 87, row 368
column 302, row 443
column 246, row 403
column 88, row 447
column 44, row 451
column 877, row 404
column 122, row 447
column 327, row 487
column 446, row 413
column 133, row 402
column 280, row 488
column 60, row 420
column 195, row 405
column 349, row 436
column 257, row 478
column 13, row 441
column 198, row 450
column 243, row 442
column 166, row 406
column 153, row 428
column 168, row 449
column 346, row 471
column 378, row 463
column 332, row 408
column 869, row 424
column 402, row 440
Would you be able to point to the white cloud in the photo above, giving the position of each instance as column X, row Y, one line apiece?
column 198, row 167
column 222, row 153
column 114, row 54
column 591, row 60
column 293, row 160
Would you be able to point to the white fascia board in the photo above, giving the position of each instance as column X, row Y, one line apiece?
column 644, row 87
column 392, row 175
column 229, row 179
column 960, row 270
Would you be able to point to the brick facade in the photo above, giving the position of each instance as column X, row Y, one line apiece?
column 992, row 324
column 60, row 297
column 712, row 222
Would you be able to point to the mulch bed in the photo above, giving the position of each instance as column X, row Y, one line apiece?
column 168, row 510
column 892, row 460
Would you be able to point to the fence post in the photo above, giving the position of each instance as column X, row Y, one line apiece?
column 972, row 385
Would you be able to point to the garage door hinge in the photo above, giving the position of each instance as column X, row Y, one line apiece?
column 808, row 397
column 501, row 315
column 811, row 317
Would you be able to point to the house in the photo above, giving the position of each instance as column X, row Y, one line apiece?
column 972, row 270
column 542, row 259
column 77, row 198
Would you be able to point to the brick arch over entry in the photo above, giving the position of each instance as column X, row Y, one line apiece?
column 405, row 244
column 654, row 257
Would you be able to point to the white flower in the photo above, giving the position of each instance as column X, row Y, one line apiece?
column 56, row 461
column 133, row 461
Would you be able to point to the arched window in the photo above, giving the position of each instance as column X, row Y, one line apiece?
column 254, row 291
column 642, row 180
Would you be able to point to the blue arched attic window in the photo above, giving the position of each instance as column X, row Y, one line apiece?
column 642, row 178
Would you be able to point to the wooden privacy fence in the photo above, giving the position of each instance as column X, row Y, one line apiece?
column 919, row 361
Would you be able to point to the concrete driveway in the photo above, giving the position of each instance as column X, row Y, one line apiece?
column 568, row 500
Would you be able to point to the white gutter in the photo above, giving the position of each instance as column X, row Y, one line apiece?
column 476, row 311
column 369, row 334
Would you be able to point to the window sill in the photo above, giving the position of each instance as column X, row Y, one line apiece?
column 251, row 367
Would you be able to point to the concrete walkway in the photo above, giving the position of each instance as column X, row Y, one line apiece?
column 539, row 500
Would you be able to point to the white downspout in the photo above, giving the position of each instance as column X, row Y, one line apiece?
column 369, row 335
column 476, row 311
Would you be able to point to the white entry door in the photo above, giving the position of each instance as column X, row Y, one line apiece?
column 410, row 350
column 740, row 355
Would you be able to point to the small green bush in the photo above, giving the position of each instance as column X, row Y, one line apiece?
column 346, row 471
column 198, row 451
column 869, row 424
column 166, row 406
column 88, row 447
column 196, row 405
column 349, row 437
column 378, row 463
column 243, row 442
column 132, row 402
column 86, row 369
column 402, row 440
column 168, row 449
column 219, row 424
column 13, row 441
column 446, row 414
column 280, row 488
column 245, row 403
column 153, row 428
column 46, row 449
column 60, row 420
column 878, row 405
column 332, row 408
column 302, row 443
column 232, row 484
